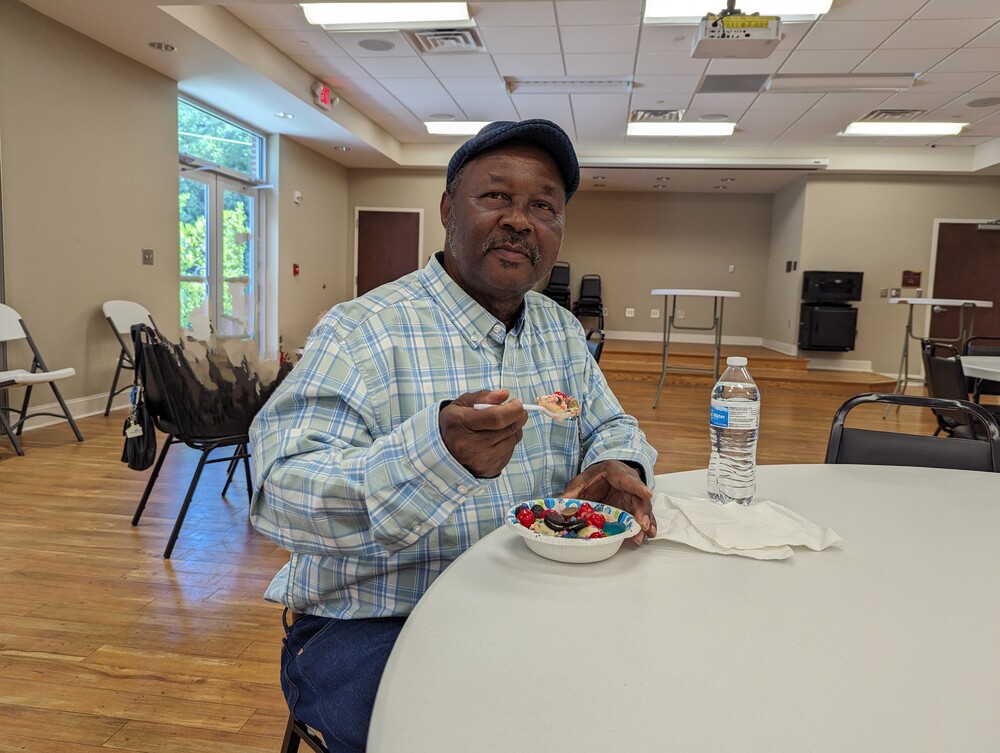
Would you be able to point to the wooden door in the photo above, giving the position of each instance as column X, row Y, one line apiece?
column 967, row 266
column 388, row 245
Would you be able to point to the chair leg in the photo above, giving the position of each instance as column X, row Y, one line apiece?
column 187, row 502
column 114, row 384
column 11, row 434
column 234, row 463
column 290, row 743
column 24, row 409
column 65, row 410
column 246, row 469
column 152, row 480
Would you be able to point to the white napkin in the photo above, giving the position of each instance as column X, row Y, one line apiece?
column 764, row 530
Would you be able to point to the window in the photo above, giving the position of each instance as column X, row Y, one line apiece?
column 220, row 227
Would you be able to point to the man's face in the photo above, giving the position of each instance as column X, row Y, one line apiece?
column 504, row 224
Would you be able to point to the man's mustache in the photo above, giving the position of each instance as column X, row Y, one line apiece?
column 515, row 240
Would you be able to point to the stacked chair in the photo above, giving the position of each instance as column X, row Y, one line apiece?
column 558, row 285
column 981, row 345
column 590, row 304
column 121, row 315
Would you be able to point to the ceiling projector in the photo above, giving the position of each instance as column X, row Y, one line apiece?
column 731, row 34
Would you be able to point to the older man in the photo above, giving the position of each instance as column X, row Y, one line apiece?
column 371, row 464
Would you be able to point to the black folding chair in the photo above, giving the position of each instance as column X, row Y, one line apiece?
column 557, row 287
column 595, row 343
column 982, row 345
column 296, row 732
column 867, row 447
column 590, row 302
column 205, row 418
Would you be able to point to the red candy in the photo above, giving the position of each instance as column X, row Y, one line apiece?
column 585, row 509
column 525, row 517
column 596, row 520
column 598, row 535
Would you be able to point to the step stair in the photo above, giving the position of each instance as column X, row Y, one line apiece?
column 641, row 361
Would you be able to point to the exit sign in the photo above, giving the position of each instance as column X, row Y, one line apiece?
column 324, row 95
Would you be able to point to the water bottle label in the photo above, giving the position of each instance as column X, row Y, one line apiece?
column 726, row 415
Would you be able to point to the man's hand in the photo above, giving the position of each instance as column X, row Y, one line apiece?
column 482, row 440
column 618, row 485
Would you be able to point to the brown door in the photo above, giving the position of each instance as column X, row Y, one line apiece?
column 388, row 246
column 967, row 266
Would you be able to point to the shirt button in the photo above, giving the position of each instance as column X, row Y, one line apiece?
column 417, row 529
column 498, row 328
column 463, row 489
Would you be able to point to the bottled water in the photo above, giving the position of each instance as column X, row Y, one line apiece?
column 735, row 418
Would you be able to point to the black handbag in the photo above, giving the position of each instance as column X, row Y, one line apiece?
column 139, row 432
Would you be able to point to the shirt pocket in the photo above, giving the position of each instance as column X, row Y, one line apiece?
column 562, row 439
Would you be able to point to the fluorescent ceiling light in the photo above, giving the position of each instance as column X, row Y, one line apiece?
column 374, row 16
column 455, row 127
column 840, row 82
column 884, row 128
column 692, row 11
column 569, row 84
column 680, row 129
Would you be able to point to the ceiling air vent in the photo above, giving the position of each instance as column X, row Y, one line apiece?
column 656, row 116
column 893, row 116
column 433, row 41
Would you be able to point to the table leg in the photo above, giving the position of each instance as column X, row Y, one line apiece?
column 904, row 361
column 668, row 320
column 717, row 318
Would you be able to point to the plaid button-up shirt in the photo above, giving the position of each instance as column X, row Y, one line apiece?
column 351, row 473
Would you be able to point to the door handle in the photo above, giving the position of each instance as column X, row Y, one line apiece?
column 939, row 309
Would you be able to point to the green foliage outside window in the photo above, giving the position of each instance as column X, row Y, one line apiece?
column 211, row 138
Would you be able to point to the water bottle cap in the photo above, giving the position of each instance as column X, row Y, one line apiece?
column 736, row 361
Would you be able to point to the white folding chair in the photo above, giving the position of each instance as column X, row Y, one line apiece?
column 12, row 327
column 121, row 315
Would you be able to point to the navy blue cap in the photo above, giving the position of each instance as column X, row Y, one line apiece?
column 544, row 133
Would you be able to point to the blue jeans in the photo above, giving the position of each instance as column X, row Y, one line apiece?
column 330, row 671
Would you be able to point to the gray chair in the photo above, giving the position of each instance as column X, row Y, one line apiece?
column 13, row 328
column 982, row 345
column 868, row 447
column 121, row 315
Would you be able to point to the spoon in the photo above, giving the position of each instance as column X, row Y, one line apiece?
column 530, row 407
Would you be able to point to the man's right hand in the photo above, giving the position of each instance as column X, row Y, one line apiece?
column 483, row 440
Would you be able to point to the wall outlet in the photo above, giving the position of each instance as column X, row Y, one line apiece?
column 654, row 313
column 604, row 311
column 680, row 314
column 883, row 293
column 894, row 292
column 147, row 256
column 629, row 313
column 732, row 267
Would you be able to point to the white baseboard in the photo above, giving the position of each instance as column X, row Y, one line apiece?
column 789, row 349
column 621, row 334
column 79, row 407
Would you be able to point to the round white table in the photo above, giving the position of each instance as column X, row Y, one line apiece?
column 891, row 644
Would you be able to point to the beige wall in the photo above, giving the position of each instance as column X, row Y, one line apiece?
column 881, row 226
column 310, row 234
column 399, row 189
column 641, row 241
column 83, row 194
column 781, row 308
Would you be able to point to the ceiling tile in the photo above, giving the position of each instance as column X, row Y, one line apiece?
column 351, row 42
column 822, row 61
column 880, row 9
column 918, row 100
column 529, row 65
column 395, row 68
column 304, row 43
column 614, row 64
column 669, row 64
column 598, row 39
column 421, row 96
column 769, row 64
column 513, row 14
column 667, row 84
column 988, row 38
column 959, row 9
column 900, row 61
column 508, row 40
column 732, row 105
column 454, row 64
column 848, row 35
column 339, row 67
column 964, row 140
column 990, row 85
column 922, row 35
column 859, row 102
column 480, row 86
column 785, row 101
column 488, row 108
column 643, row 100
column 666, row 39
column 950, row 82
column 983, row 59
column 616, row 104
column 553, row 106
column 792, row 34
column 598, row 12
column 759, row 121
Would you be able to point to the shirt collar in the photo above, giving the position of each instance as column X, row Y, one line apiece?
column 473, row 321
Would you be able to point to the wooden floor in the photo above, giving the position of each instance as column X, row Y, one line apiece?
column 104, row 645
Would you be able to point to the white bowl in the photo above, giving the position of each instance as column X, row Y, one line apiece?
column 572, row 550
